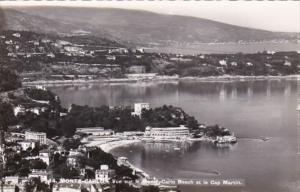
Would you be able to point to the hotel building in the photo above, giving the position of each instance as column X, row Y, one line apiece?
column 181, row 132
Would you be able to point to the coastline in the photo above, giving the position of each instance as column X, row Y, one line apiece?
column 110, row 145
column 223, row 78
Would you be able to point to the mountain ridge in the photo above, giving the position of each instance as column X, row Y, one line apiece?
column 138, row 26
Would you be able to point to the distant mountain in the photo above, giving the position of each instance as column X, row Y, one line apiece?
column 133, row 26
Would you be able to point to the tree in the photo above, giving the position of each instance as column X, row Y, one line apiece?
column 8, row 80
column 64, row 171
column 37, row 164
column 71, row 144
column 7, row 116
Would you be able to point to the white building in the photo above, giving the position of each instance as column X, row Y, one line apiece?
column 26, row 144
column 45, row 159
column 249, row 64
column 73, row 161
column 104, row 174
column 111, row 57
column 12, row 179
column 18, row 35
column 181, row 132
column 226, row 139
column 19, row 109
column 8, row 188
column 223, row 62
column 36, row 136
column 95, row 131
column 139, row 107
column 41, row 87
column 287, row 63
column 36, row 110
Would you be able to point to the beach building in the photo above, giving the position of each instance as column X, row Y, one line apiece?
column 133, row 133
column 139, row 107
column 180, row 132
column 36, row 136
column 95, row 131
column 104, row 174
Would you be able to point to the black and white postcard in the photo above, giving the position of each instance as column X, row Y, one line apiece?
column 149, row 96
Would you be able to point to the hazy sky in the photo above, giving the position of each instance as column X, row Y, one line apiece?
column 274, row 16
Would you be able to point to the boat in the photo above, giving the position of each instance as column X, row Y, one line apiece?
column 228, row 139
column 266, row 138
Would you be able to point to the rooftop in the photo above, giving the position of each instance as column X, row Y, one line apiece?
column 33, row 132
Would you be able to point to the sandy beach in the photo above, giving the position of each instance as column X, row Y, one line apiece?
column 107, row 146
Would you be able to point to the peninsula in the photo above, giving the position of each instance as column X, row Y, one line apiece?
column 49, row 144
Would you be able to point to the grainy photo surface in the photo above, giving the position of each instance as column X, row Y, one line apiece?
column 149, row 96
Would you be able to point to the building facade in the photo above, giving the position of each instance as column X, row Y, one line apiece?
column 139, row 107
column 26, row 144
column 181, row 132
column 95, row 131
column 36, row 136
column 104, row 174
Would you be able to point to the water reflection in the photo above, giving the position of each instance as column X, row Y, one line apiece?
column 125, row 94
column 251, row 109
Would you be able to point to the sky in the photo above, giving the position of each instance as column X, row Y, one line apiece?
column 268, row 15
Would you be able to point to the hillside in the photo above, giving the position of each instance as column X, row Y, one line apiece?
column 132, row 26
